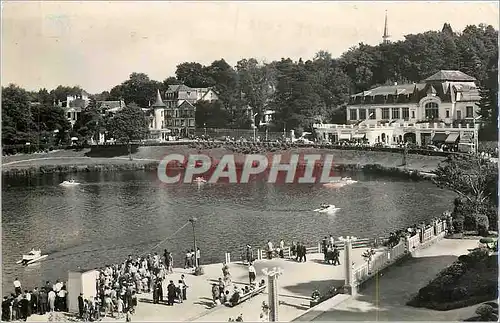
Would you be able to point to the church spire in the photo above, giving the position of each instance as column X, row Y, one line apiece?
column 385, row 37
column 159, row 101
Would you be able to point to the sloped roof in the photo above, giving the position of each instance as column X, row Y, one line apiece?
column 159, row 101
column 448, row 75
column 178, row 87
column 185, row 105
column 78, row 103
column 389, row 90
column 108, row 104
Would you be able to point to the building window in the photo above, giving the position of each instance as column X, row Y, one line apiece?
column 413, row 114
column 469, row 112
column 191, row 122
column 353, row 115
column 385, row 113
column 406, row 113
column 459, row 115
column 395, row 113
column 69, row 115
column 372, row 114
column 431, row 110
column 447, row 113
column 362, row 114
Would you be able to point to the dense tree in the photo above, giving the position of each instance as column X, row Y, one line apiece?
column 128, row 124
column 138, row 88
column 16, row 115
column 90, row 122
column 193, row 75
column 474, row 179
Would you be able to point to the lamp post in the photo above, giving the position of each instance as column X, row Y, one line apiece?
column 349, row 285
column 272, row 291
column 205, row 127
column 476, row 134
column 254, row 127
column 193, row 221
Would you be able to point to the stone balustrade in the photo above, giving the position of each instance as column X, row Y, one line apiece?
column 381, row 260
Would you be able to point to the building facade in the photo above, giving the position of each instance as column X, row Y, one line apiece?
column 442, row 109
column 175, row 115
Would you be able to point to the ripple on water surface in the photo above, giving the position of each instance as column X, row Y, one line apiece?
column 111, row 215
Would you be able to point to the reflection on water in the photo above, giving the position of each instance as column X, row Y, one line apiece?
column 111, row 215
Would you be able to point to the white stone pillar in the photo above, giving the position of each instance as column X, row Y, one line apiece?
column 349, row 285
column 272, row 290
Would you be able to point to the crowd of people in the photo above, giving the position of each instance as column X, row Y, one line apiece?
column 20, row 305
column 119, row 284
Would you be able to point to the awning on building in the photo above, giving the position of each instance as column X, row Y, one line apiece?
column 344, row 136
column 439, row 137
column 359, row 136
column 452, row 138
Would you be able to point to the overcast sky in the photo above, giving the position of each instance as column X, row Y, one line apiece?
column 98, row 44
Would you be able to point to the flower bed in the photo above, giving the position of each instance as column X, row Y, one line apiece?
column 470, row 280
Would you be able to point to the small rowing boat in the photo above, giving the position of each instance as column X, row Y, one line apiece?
column 326, row 208
column 31, row 257
column 71, row 182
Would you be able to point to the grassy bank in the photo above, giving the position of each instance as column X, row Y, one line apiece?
column 147, row 158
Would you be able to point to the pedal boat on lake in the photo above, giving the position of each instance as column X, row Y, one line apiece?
column 71, row 182
column 31, row 257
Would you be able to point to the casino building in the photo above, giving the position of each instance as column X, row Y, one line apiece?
column 441, row 110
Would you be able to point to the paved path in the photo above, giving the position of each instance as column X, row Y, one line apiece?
column 385, row 298
column 295, row 288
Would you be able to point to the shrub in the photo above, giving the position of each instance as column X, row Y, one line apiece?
column 479, row 255
column 458, row 224
column 485, row 312
column 459, row 293
column 483, row 224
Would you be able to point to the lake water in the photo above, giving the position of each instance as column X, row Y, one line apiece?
column 111, row 215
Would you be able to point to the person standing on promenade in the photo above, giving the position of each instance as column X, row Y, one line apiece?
column 198, row 256
column 81, row 305
column 187, row 259
column 324, row 247
column 165, row 257
column 293, row 250
column 251, row 273
column 215, row 294
column 248, row 256
column 24, row 308
column 299, row 252
column 269, row 250
column 43, row 302
column 35, row 300
column 171, row 293
column 6, row 303
column 336, row 254
column 51, row 296
column 332, row 241
column 184, row 287
column 282, row 248
column 170, row 267
column 17, row 287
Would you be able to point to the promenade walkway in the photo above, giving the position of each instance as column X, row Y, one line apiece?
column 384, row 299
column 295, row 288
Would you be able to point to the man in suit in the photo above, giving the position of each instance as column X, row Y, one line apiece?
column 171, row 293
column 81, row 305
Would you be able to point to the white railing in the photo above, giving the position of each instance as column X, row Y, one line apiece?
column 394, row 125
column 428, row 234
column 380, row 261
column 413, row 242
